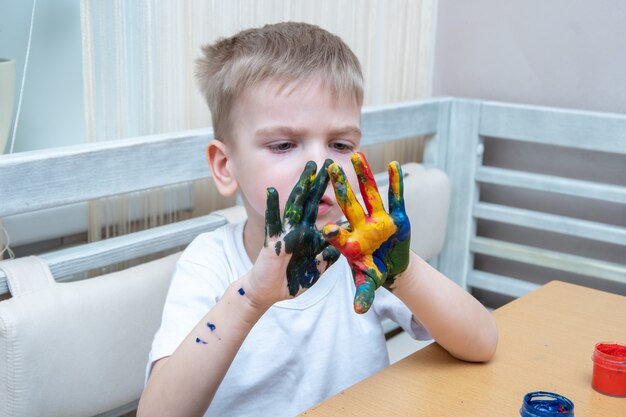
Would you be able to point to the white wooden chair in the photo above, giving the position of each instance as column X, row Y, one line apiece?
column 79, row 348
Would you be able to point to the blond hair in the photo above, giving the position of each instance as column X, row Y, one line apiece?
column 285, row 52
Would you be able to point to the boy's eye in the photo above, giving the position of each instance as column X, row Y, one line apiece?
column 342, row 147
column 281, row 147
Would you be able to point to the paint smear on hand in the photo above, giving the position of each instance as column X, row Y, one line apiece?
column 377, row 243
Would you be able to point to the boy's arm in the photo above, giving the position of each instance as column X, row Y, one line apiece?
column 452, row 316
column 185, row 383
column 377, row 248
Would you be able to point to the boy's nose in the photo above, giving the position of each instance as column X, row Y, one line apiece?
column 319, row 154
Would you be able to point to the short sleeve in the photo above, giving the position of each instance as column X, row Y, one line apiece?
column 389, row 306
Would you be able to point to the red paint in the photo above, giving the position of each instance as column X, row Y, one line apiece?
column 613, row 349
column 352, row 250
column 359, row 278
column 609, row 369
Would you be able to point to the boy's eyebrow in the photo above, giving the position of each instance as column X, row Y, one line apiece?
column 278, row 130
column 293, row 132
column 348, row 130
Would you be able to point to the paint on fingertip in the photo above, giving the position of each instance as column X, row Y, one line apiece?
column 211, row 326
column 241, row 291
column 202, row 342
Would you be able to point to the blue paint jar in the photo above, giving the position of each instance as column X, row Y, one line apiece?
column 546, row 404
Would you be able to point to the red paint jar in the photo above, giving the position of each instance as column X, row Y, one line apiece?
column 609, row 369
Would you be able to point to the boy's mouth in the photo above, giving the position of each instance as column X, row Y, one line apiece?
column 324, row 206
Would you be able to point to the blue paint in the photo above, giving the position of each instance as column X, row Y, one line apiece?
column 198, row 340
column 546, row 404
column 211, row 326
column 241, row 291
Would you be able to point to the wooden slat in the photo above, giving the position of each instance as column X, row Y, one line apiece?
column 57, row 222
column 460, row 161
column 552, row 184
column 46, row 224
column 398, row 121
column 550, row 259
column 36, row 180
column 551, row 222
column 562, row 127
column 42, row 179
column 500, row 284
column 436, row 147
column 66, row 262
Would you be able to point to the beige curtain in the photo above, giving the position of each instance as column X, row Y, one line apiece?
column 139, row 62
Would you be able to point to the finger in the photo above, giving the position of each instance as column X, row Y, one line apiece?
column 396, row 187
column 367, row 184
column 295, row 202
column 336, row 235
column 273, row 225
column 345, row 196
column 330, row 254
column 365, row 290
column 316, row 193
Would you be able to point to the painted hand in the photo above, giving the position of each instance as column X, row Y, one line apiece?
column 377, row 243
column 296, row 234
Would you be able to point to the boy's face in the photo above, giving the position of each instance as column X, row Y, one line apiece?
column 277, row 129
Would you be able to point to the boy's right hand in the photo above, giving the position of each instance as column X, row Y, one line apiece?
column 294, row 253
column 377, row 243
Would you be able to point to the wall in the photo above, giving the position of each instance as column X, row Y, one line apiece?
column 52, row 106
column 564, row 53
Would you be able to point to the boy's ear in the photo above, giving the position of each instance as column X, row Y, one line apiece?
column 218, row 158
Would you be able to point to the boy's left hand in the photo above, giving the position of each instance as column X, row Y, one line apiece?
column 377, row 244
column 296, row 234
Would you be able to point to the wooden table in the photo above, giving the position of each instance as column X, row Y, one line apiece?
column 546, row 341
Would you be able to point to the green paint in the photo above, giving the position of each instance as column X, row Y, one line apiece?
column 273, row 225
column 330, row 254
column 316, row 193
column 299, row 235
column 298, row 197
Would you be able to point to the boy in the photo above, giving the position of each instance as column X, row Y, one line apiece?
column 244, row 330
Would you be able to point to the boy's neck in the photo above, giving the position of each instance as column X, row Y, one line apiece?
column 253, row 238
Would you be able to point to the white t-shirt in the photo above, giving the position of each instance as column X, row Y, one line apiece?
column 300, row 352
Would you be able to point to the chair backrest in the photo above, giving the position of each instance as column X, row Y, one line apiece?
column 537, row 194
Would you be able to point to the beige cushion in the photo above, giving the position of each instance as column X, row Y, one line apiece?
column 426, row 200
column 80, row 348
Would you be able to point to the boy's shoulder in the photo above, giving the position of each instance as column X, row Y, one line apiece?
column 224, row 240
column 216, row 256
